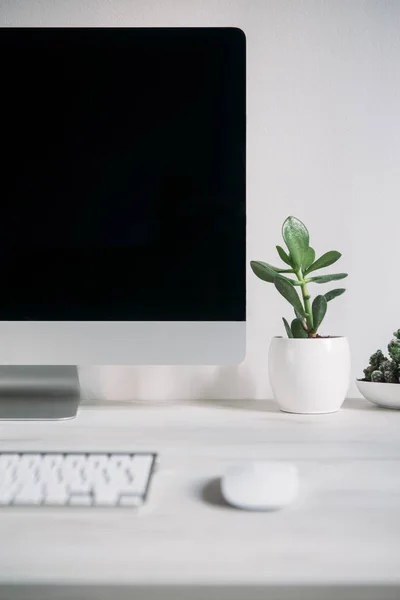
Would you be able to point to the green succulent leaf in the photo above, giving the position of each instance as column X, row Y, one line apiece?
column 334, row 294
column 297, row 239
column 263, row 271
column 279, row 270
column 319, row 307
column 298, row 329
column 287, row 327
column 275, row 269
column 326, row 278
column 268, row 273
column 327, row 259
column 309, row 258
column 284, row 256
column 286, row 289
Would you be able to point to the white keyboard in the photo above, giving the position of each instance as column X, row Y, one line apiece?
column 75, row 479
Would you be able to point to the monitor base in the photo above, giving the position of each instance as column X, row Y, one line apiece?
column 39, row 393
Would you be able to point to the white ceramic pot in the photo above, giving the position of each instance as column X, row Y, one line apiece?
column 309, row 376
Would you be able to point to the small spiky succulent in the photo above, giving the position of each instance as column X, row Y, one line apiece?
column 382, row 369
column 377, row 359
column 389, row 370
column 394, row 347
column 368, row 373
column 377, row 376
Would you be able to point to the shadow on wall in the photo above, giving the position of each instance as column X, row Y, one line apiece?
column 121, row 383
column 227, row 382
column 99, row 383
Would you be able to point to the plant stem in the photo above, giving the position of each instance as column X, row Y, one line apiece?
column 307, row 303
column 307, row 306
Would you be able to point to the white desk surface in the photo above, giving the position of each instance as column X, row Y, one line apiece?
column 344, row 529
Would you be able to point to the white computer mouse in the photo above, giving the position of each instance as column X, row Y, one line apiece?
column 260, row 485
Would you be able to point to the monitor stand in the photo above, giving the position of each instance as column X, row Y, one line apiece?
column 39, row 393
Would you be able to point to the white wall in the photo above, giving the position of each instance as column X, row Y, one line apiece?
column 323, row 144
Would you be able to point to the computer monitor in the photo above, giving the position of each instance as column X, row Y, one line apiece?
column 122, row 223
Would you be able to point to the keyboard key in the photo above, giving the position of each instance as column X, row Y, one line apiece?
column 56, row 494
column 74, row 461
column 48, row 477
column 27, row 478
column 5, row 475
column 105, row 496
column 8, row 457
column 53, row 460
column 29, row 495
column 70, row 475
column 120, row 461
column 9, row 461
column 79, row 487
column 7, row 493
column 97, row 460
column 30, row 461
column 117, row 474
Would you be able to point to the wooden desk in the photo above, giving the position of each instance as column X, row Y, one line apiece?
column 344, row 529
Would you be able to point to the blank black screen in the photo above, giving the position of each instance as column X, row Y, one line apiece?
column 123, row 174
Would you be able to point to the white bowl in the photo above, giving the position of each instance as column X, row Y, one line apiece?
column 382, row 394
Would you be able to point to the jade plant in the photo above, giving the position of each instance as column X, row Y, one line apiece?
column 383, row 369
column 292, row 280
